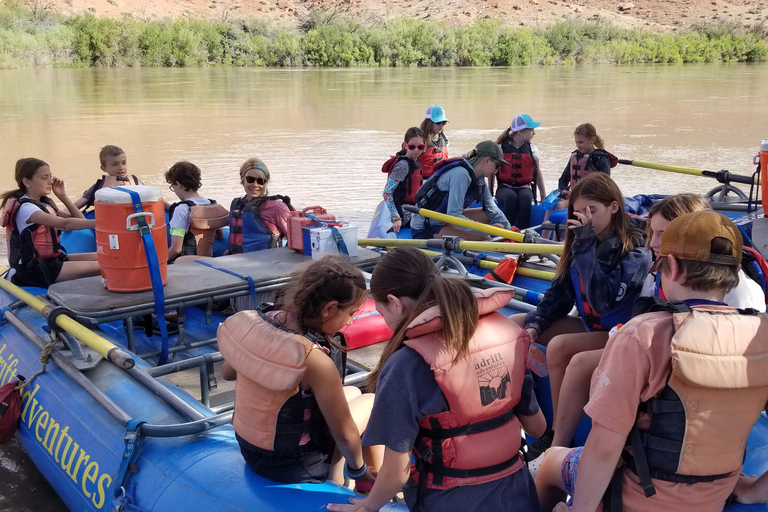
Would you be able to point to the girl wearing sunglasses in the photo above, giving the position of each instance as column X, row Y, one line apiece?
column 404, row 177
column 437, row 142
column 257, row 220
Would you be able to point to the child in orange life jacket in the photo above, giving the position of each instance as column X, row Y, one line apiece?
column 452, row 362
column 680, row 429
column 589, row 157
column 601, row 271
column 514, row 193
column 404, row 178
column 437, row 143
column 115, row 164
column 190, row 217
column 32, row 224
column 291, row 413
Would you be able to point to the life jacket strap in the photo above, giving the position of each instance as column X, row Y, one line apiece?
column 439, row 433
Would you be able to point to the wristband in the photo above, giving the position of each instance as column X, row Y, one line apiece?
column 355, row 473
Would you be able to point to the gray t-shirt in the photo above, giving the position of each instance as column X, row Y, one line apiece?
column 406, row 392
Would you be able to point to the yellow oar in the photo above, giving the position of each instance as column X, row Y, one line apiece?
column 515, row 248
column 105, row 348
column 465, row 223
column 687, row 170
column 544, row 275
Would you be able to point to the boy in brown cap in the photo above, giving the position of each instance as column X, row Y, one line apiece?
column 455, row 185
column 676, row 392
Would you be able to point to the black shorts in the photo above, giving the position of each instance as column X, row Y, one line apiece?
column 35, row 276
column 312, row 467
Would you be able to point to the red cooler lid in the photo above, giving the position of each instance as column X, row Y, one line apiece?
column 113, row 196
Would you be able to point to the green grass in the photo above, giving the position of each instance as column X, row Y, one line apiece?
column 45, row 38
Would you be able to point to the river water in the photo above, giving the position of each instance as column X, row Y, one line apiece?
column 325, row 133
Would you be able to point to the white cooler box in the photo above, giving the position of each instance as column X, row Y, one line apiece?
column 321, row 241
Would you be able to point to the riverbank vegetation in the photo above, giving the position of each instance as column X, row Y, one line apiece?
column 41, row 37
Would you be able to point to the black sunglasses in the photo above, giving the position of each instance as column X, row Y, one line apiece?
column 251, row 179
column 419, row 147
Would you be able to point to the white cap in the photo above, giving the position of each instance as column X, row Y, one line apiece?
column 764, row 145
column 112, row 195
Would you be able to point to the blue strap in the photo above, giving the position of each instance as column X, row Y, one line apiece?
column 130, row 455
column 335, row 232
column 154, row 271
column 251, row 284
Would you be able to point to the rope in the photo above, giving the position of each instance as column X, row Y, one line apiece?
column 45, row 356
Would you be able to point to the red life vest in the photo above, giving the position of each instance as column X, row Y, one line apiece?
column 432, row 155
column 523, row 167
column 405, row 193
column 581, row 165
column 34, row 243
column 477, row 439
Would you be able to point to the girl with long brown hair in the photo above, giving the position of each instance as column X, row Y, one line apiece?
column 601, row 272
column 451, row 389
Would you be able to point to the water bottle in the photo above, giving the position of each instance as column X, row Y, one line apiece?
column 762, row 159
column 553, row 197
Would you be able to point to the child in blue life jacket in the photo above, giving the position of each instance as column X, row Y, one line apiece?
column 404, row 177
column 574, row 392
column 456, row 184
column 193, row 220
column 452, row 391
column 115, row 164
column 33, row 222
column 293, row 418
column 517, row 182
column 601, row 272
column 436, row 151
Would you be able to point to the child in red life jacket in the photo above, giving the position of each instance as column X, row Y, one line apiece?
column 32, row 224
column 453, row 361
column 115, row 164
column 437, row 143
column 404, row 177
column 601, row 271
column 514, row 193
column 677, row 390
column 589, row 157
column 293, row 417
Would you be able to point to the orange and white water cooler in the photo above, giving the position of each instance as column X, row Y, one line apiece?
column 118, row 241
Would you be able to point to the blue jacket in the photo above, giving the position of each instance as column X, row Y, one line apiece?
column 611, row 280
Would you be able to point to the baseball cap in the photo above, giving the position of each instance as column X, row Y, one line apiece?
column 522, row 122
column 492, row 150
column 436, row 114
column 689, row 237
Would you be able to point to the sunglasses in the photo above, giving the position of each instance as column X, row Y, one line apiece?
column 251, row 179
column 442, row 123
column 420, row 147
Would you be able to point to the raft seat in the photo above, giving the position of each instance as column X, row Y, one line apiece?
column 190, row 284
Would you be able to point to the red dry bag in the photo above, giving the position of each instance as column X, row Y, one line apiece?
column 10, row 410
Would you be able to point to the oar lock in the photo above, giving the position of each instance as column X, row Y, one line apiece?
column 52, row 313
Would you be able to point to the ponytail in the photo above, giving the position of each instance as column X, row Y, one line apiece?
column 588, row 130
column 505, row 136
column 408, row 272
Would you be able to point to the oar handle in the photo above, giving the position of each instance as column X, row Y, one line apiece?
column 724, row 177
column 466, row 223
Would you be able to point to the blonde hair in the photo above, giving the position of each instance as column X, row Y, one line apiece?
column 672, row 207
column 260, row 169
column 589, row 131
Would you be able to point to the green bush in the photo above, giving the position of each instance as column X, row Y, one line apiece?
column 45, row 38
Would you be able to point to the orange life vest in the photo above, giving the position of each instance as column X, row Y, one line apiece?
column 272, row 412
column 523, row 167
column 717, row 388
column 477, row 439
column 432, row 155
column 204, row 220
column 34, row 243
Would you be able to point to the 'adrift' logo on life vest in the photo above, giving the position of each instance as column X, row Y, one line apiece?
column 492, row 379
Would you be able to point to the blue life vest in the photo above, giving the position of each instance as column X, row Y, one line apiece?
column 431, row 197
column 247, row 231
column 592, row 320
